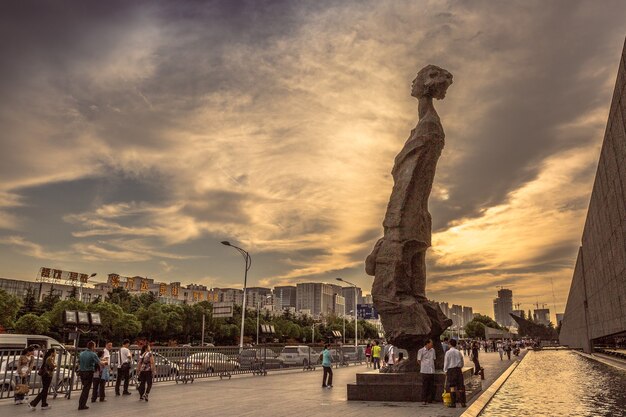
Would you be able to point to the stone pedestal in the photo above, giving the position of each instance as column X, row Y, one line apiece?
column 376, row 386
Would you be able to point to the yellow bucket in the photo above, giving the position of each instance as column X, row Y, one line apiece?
column 447, row 398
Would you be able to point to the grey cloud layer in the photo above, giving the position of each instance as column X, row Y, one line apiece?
column 276, row 123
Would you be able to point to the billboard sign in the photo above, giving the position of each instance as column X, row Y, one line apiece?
column 222, row 310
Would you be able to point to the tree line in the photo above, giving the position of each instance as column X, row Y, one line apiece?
column 132, row 316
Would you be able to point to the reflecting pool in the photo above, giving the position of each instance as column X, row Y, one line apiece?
column 555, row 383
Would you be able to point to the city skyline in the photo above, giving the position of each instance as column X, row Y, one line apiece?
column 137, row 136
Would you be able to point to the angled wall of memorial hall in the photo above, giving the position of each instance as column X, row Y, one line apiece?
column 596, row 305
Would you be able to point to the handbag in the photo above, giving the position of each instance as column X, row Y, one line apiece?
column 446, row 396
column 22, row 389
column 105, row 374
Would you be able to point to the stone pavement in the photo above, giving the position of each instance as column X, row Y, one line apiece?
column 280, row 393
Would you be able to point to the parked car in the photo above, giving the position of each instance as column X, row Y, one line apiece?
column 353, row 354
column 209, row 362
column 165, row 367
column 299, row 355
column 260, row 358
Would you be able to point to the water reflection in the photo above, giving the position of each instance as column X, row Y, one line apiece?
column 560, row 383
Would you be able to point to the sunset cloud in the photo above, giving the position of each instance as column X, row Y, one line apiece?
column 138, row 135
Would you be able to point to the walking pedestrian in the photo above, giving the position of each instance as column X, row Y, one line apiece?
column 88, row 362
column 106, row 370
column 327, row 378
column 376, row 350
column 145, row 370
column 445, row 345
column 25, row 365
column 507, row 349
column 45, row 372
column 426, row 360
column 123, row 368
column 390, row 355
column 474, row 358
column 453, row 367
column 368, row 355
column 98, row 380
column 500, row 349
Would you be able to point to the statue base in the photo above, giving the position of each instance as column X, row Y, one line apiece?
column 404, row 387
column 413, row 321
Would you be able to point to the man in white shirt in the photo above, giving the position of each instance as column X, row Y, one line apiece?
column 123, row 368
column 426, row 361
column 453, row 367
column 391, row 355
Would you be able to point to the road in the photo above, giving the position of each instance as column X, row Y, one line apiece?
column 279, row 394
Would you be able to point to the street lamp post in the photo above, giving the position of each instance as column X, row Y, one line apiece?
column 248, row 261
column 258, row 313
column 356, row 322
column 344, row 322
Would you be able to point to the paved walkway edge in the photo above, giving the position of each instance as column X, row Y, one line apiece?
column 615, row 363
column 481, row 402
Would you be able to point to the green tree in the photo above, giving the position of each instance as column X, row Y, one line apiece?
column 110, row 315
column 121, row 297
column 126, row 326
column 55, row 315
column 32, row 324
column 48, row 301
column 9, row 306
column 29, row 303
column 73, row 293
column 476, row 327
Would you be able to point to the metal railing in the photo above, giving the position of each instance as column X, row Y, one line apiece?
column 179, row 364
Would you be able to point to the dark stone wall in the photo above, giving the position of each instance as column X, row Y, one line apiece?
column 596, row 305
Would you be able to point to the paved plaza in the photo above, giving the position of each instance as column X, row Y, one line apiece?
column 281, row 393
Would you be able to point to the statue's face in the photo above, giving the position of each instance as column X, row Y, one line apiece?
column 431, row 81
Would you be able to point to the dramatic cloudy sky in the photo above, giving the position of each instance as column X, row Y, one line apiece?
column 135, row 136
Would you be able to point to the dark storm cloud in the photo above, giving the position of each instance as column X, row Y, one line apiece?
column 275, row 123
column 549, row 82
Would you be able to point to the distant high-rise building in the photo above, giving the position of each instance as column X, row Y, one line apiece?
column 285, row 295
column 445, row 308
column 456, row 314
column 339, row 306
column 468, row 315
column 503, row 306
column 317, row 297
column 542, row 316
column 559, row 318
column 348, row 294
column 258, row 295
column 518, row 313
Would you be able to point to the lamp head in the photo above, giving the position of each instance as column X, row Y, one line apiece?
column 339, row 279
column 225, row 242
column 93, row 275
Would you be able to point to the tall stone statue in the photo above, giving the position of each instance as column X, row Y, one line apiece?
column 398, row 259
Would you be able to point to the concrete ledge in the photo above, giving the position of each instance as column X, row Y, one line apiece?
column 605, row 359
column 481, row 402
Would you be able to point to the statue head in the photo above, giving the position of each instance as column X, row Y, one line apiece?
column 431, row 81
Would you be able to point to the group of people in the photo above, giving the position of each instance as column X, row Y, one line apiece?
column 375, row 354
column 94, row 371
